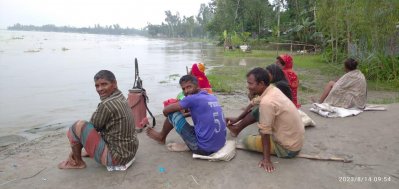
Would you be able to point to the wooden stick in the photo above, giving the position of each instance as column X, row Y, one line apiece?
column 313, row 157
column 324, row 158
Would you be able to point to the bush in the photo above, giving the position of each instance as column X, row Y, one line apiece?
column 380, row 67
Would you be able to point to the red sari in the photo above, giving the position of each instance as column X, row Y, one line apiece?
column 291, row 77
column 203, row 81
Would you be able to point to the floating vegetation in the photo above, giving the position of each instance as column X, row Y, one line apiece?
column 20, row 37
column 33, row 50
column 174, row 76
column 64, row 49
column 170, row 78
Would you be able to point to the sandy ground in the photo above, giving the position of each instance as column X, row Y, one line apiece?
column 369, row 139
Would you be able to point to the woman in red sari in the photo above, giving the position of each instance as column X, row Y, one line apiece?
column 198, row 70
column 286, row 64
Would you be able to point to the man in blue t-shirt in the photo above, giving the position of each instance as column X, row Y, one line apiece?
column 209, row 132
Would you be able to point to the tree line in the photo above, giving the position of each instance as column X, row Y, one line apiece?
column 114, row 29
column 365, row 30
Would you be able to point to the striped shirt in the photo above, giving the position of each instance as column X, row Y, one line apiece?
column 114, row 120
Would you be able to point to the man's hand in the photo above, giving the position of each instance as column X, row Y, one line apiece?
column 231, row 121
column 187, row 114
column 267, row 165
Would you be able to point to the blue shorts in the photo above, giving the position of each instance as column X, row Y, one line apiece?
column 186, row 132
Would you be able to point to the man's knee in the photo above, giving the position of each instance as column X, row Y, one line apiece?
column 75, row 131
column 174, row 117
column 79, row 124
column 76, row 128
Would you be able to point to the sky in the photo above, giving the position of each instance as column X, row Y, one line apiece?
column 81, row 13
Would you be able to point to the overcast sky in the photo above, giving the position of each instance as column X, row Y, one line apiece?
column 79, row 13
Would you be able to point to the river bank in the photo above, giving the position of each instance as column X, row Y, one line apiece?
column 312, row 71
column 33, row 163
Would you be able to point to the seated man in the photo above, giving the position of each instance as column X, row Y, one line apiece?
column 209, row 132
column 280, row 126
column 251, row 114
column 350, row 91
column 110, row 136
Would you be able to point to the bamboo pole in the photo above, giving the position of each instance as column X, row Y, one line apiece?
column 324, row 158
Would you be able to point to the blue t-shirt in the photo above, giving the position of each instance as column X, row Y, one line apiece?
column 209, row 122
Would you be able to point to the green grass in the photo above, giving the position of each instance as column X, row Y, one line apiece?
column 312, row 71
column 384, row 100
column 227, row 79
column 383, row 85
column 231, row 79
column 300, row 61
column 254, row 53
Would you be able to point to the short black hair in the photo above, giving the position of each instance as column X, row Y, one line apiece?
column 276, row 72
column 260, row 75
column 350, row 64
column 190, row 78
column 105, row 74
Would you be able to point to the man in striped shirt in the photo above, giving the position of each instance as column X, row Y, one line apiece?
column 110, row 137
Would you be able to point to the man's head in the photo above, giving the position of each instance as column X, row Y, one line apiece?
column 189, row 84
column 350, row 64
column 257, row 81
column 105, row 83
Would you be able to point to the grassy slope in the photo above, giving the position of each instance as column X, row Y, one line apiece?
column 313, row 74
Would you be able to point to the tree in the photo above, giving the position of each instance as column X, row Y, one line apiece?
column 239, row 16
column 173, row 22
column 204, row 17
column 361, row 29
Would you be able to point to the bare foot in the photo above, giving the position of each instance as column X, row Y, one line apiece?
column 233, row 130
column 71, row 164
column 177, row 147
column 155, row 135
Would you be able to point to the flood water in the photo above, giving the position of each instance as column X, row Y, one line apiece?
column 47, row 78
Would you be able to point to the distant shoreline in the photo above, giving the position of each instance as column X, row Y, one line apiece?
column 114, row 29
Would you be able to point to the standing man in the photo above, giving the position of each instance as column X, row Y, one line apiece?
column 209, row 132
column 110, row 136
column 281, row 130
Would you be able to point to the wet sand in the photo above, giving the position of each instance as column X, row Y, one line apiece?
column 369, row 139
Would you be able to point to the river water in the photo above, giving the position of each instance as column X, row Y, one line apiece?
column 47, row 78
